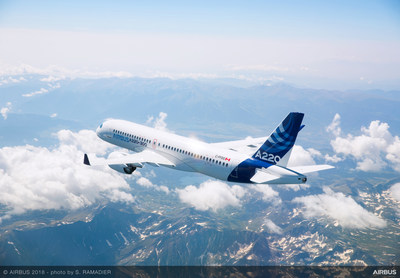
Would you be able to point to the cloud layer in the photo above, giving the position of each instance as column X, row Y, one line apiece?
column 39, row 92
column 176, row 53
column 373, row 150
column 395, row 191
column 212, row 195
column 268, row 194
column 145, row 182
column 272, row 227
column 340, row 208
column 301, row 157
column 38, row 178
column 5, row 110
column 159, row 122
column 54, row 73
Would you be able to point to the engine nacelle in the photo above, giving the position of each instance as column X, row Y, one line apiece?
column 123, row 168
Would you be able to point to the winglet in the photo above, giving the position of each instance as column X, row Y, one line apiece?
column 86, row 160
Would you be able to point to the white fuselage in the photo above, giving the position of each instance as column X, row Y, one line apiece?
column 187, row 154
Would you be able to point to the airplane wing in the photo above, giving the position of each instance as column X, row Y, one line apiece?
column 133, row 160
column 248, row 146
column 310, row 168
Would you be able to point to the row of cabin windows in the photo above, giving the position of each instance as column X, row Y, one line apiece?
column 132, row 136
column 174, row 149
column 195, row 155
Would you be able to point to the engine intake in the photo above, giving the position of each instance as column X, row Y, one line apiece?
column 123, row 168
column 129, row 170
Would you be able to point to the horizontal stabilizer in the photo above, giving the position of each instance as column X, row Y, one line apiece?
column 310, row 168
column 263, row 177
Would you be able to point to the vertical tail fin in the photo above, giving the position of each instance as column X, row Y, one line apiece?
column 277, row 148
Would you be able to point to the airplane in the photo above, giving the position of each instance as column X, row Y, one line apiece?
column 256, row 160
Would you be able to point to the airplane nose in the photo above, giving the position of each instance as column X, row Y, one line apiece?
column 99, row 130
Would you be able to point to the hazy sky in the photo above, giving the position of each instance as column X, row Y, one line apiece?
column 335, row 44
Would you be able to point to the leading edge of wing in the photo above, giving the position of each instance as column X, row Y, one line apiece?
column 137, row 159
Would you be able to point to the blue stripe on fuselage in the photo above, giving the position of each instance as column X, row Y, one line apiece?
column 246, row 170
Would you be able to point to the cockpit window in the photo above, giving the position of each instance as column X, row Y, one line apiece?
column 101, row 125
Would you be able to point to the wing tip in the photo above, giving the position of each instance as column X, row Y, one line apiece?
column 86, row 160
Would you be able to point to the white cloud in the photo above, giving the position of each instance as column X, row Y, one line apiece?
column 395, row 191
column 212, row 195
column 301, row 157
column 38, row 178
column 340, row 208
column 375, row 149
column 333, row 158
column 175, row 75
column 294, row 187
column 164, row 188
column 145, row 182
column 393, row 153
column 54, row 86
column 51, row 86
column 260, row 68
column 5, row 110
column 11, row 79
column 39, row 92
column 334, row 127
column 268, row 194
column 51, row 78
column 56, row 73
column 159, row 122
column 85, row 140
column 272, row 227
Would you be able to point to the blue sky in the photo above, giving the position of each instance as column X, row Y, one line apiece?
column 310, row 19
column 279, row 19
column 310, row 43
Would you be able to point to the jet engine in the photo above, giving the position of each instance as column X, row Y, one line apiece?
column 123, row 168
